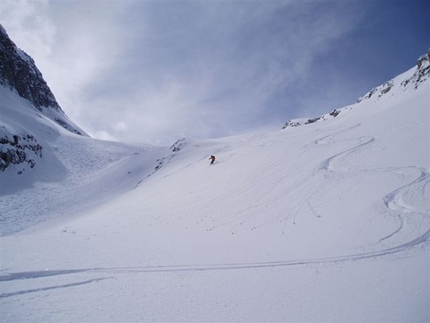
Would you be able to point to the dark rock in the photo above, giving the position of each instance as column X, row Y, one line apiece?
column 19, row 150
column 19, row 73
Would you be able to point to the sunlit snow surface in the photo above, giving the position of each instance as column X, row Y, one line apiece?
column 327, row 222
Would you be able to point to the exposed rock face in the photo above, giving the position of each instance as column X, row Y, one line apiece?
column 20, row 150
column 301, row 122
column 177, row 146
column 422, row 73
column 19, row 72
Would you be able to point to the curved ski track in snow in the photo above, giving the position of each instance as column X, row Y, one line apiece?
column 395, row 201
column 416, row 219
column 414, row 222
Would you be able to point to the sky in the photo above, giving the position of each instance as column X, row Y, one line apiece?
column 154, row 71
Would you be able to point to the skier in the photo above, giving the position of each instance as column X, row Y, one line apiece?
column 212, row 159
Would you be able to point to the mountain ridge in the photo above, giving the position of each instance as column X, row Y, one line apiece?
column 21, row 148
column 411, row 78
column 19, row 73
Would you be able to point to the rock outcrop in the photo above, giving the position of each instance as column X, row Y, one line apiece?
column 21, row 148
column 420, row 74
column 19, row 73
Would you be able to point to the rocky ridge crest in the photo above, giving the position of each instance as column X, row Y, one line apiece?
column 420, row 75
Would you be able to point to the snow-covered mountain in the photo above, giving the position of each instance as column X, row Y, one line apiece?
column 21, row 147
column 401, row 83
column 328, row 222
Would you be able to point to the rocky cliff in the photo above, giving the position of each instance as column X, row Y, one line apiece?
column 23, row 91
column 19, row 73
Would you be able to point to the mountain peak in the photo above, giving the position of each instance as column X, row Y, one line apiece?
column 19, row 73
column 30, row 113
column 420, row 74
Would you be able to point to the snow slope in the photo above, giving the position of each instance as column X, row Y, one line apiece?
column 327, row 222
column 73, row 171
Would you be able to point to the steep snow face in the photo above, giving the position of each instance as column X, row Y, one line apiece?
column 323, row 223
column 25, row 134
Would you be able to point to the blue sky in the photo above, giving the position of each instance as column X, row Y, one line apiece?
column 153, row 71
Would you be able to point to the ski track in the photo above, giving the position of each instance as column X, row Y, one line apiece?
column 7, row 277
column 35, row 290
column 393, row 201
column 328, row 168
column 395, row 231
column 412, row 220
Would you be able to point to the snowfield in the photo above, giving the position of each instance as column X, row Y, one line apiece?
column 326, row 222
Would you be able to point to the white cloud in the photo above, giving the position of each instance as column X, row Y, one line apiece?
column 154, row 71
column 29, row 26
